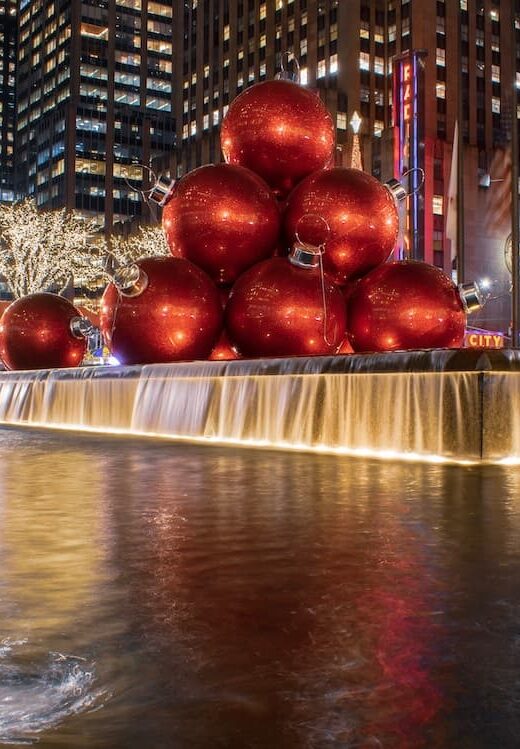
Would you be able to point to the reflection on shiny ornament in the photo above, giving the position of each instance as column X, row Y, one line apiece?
column 361, row 213
column 223, row 218
column 277, row 309
column 405, row 305
column 281, row 131
column 135, row 325
column 41, row 331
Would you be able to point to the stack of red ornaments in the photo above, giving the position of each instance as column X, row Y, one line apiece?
column 251, row 276
column 244, row 224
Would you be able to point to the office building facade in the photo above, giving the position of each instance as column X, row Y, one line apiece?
column 94, row 103
column 7, row 98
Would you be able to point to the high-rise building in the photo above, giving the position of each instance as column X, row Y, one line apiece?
column 7, row 97
column 455, row 56
column 94, row 102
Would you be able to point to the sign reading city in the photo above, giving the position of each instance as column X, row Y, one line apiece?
column 484, row 340
column 408, row 108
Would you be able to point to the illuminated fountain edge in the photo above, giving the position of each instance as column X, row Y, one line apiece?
column 445, row 405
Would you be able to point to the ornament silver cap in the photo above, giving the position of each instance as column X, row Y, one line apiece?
column 305, row 256
column 80, row 327
column 161, row 192
column 397, row 190
column 130, row 280
column 471, row 297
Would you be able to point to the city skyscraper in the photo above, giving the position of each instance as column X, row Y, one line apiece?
column 94, row 102
column 7, row 97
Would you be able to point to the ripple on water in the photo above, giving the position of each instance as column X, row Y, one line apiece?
column 35, row 697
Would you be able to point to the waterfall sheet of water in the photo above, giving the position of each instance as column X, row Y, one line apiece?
column 429, row 404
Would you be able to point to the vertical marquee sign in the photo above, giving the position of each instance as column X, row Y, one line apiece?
column 408, row 109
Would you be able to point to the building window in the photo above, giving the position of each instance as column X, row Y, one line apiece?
column 438, row 205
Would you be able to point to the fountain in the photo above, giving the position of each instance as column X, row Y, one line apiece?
column 441, row 405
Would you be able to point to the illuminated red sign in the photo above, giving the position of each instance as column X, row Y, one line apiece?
column 407, row 92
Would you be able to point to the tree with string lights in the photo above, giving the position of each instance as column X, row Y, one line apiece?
column 40, row 250
column 148, row 241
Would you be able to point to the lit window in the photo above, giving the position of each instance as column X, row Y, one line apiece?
column 263, row 11
column 495, row 73
column 304, row 76
column 441, row 57
column 438, row 205
column 333, row 64
column 379, row 126
column 364, row 61
column 322, row 69
column 441, row 90
column 495, row 105
column 341, row 120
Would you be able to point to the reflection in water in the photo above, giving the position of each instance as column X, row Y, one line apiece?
column 206, row 597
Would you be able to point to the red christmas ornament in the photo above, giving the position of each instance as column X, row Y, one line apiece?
column 361, row 214
column 280, row 130
column 160, row 310
column 223, row 218
column 43, row 331
column 276, row 309
column 405, row 305
column 224, row 350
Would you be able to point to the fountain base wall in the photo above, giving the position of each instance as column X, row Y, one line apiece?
column 431, row 405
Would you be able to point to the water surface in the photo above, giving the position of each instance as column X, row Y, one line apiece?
column 163, row 595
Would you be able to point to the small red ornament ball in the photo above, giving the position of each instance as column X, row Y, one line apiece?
column 224, row 350
column 280, row 130
column 35, row 333
column 177, row 317
column 361, row 214
column 405, row 305
column 224, row 219
column 276, row 309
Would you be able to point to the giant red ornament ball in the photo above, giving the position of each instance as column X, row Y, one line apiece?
column 361, row 214
column 223, row 218
column 35, row 333
column 280, row 130
column 405, row 305
column 276, row 309
column 178, row 315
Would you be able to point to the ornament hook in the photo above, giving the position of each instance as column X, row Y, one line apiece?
column 306, row 255
column 285, row 74
column 421, row 183
column 309, row 245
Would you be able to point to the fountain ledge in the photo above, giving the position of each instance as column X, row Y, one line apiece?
column 440, row 405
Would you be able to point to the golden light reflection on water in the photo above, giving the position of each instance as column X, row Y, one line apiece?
column 53, row 537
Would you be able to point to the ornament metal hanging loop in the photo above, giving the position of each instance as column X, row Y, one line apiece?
column 420, row 170
column 306, row 255
column 307, row 245
column 142, row 192
column 285, row 74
